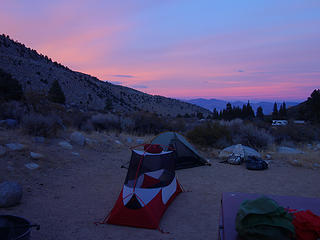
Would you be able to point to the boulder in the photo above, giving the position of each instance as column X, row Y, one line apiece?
column 65, row 145
column 15, row 146
column 39, row 139
column 239, row 150
column 288, row 150
column 9, row 123
column 10, row 194
column 2, row 150
column 140, row 141
column 36, row 155
column 77, row 138
column 75, row 154
column 31, row 166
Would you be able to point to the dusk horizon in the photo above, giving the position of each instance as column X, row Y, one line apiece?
column 239, row 51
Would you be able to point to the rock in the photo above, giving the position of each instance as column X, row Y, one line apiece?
column 39, row 139
column 118, row 142
column 288, row 150
column 77, row 138
column 15, row 146
column 2, row 150
column 75, row 154
column 129, row 140
column 242, row 151
column 31, row 165
column 65, row 145
column 317, row 165
column 10, row 194
column 296, row 162
column 140, row 141
column 10, row 123
column 268, row 156
column 36, row 155
column 317, row 147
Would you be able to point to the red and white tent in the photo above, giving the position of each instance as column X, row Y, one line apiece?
column 149, row 188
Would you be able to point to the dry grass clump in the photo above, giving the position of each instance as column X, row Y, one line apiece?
column 308, row 159
column 39, row 125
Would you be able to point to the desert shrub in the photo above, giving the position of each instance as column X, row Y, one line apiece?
column 39, row 125
column 10, row 88
column 107, row 122
column 296, row 133
column 148, row 123
column 12, row 109
column 248, row 134
column 56, row 94
column 209, row 134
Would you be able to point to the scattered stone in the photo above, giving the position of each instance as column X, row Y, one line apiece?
column 317, row 146
column 268, row 156
column 39, row 139
column 289, row 150
column 317, row 165
column 140, row 141
column 78, row 138
column 118, row 142
column 10, row 194
column 2, row 150
column 15, row 146
column 75, row 154
column 65, row 145
column 10, row 123
column 242, row 151
column 36, row 155
column 31, row 165
column 296, row 162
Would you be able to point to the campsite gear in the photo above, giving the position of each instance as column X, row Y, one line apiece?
column 153, row 148
column 231, row 202
column 235, row 159
column 186, row 155
column 15, row 228
column 149, row 188
column 306, row 224
column 254, row 163
column 263, row 218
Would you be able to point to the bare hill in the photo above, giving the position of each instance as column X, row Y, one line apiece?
column 37, row 72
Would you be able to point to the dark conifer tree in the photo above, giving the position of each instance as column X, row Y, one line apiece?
column 260, row 114
column 56, row 94
column 275, row 113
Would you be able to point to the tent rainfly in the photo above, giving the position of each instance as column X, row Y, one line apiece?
column 149, row 188
column 186, row 155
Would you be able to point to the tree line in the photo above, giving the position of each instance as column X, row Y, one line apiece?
column 247, row 112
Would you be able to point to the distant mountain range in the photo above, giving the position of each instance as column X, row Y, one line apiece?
column 210, row 104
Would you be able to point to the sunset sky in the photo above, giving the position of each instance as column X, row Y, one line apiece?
column 257, row 50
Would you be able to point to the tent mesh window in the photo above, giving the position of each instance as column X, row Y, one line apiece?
column 150, row 170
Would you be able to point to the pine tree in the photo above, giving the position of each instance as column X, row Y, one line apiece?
column 215, row 114
column 56, row 94
column 260, row 114
column 250, row 112
column 10, row 88
column 275, row 113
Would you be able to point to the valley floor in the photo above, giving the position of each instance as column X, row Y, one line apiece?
column 68, row 193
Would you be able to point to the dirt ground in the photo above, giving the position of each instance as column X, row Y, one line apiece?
column 68, row 193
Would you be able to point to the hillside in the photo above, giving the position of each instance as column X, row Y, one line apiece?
column 210, row 104
column 37, row 72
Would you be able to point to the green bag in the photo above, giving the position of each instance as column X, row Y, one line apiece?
column 264, row 219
